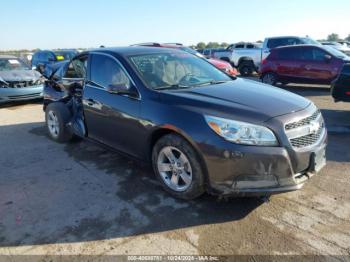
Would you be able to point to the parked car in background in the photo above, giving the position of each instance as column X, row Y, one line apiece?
column 247, row 57
column 18, row 81
column 340, row 47
column 340, row 88
column 346, row 43
column 302, row 64
column 200, row 129
column 45, row 57
column 222, row 65
column 210, row 52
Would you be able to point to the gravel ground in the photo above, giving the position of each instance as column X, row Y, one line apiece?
column 79, row 198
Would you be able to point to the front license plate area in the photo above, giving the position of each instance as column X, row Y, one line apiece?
column 319, row 159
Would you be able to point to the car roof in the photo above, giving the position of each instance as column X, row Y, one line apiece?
column 133, row 50
column 287, row 36
column 8, row 57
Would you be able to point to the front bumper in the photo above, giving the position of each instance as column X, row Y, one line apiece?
column 20, row 94
column 254, row 170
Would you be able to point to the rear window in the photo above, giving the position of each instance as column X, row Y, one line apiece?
column 288, row 54
column 276, row 42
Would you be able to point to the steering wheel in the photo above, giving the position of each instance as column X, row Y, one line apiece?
column 188, row 78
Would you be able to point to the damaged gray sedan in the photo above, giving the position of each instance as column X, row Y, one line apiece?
column 17, row 81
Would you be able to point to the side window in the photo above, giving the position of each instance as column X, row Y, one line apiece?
column 272, row 43
column 239, row 46
column 307, row 54
column 206, row 52
column 318, row 54
column 277, row 42
column 77, row 68
column 230, row 47
column 105, row 72
column 289, row 54
column 250, row 46
column 51, row 57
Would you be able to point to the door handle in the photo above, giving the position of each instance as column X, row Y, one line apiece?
column 307, row 67
column 90, row 102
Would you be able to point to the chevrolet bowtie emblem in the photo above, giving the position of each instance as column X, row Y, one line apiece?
column 314, row 127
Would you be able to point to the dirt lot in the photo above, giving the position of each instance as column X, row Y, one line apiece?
column 80, row 198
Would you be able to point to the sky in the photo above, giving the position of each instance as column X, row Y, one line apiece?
column 49, row 24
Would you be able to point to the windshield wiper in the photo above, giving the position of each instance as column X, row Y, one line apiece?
column 213, row 82
column 177, row 86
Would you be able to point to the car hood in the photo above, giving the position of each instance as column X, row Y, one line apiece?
column 240, row 99
column 19, row 75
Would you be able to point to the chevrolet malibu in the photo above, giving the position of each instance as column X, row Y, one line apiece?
column 17, row 81
column 200, row 129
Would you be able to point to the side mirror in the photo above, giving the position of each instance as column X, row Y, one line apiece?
column 327, row 58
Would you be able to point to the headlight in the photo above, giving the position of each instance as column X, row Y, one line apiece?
column 241, row 132
column 228, row 69
column 40, row 81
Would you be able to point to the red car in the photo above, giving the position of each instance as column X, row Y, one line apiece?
column 220, row 64
column 302, row 64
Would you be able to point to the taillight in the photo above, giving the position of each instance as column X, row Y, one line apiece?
column 347, row 93
column 264, row 61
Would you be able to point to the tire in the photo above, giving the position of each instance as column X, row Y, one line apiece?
column 166, row 171
column 269, row 78
column 246, row 68
column 57, row 116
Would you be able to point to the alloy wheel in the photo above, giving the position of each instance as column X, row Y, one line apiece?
column 269, row 79
column 53, row 124
column 174, row 168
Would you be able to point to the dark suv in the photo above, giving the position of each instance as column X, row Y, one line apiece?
column 302, row 64
column 201, row 129
column 45, row 57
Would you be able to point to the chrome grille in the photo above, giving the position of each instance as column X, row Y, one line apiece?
column 19, row 84
column 305, row 132
column 304, row 121
column 307, row 140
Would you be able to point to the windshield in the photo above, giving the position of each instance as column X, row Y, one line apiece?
column 176, row 70
column 335, row 52
column 310, row 41
column 64, row 55
column 7, row 64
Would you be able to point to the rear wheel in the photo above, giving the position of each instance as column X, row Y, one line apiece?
column 269, row 78
column 246, row 68
column 177, row 167
column 57, row 116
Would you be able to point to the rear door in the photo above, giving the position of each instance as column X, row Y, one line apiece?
column 112, row 119
column 287, row 63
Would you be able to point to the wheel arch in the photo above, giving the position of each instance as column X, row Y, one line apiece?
column 169, row 129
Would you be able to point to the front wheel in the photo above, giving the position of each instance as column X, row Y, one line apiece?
column 269, row 78
column 57, row 116
column 177, row 167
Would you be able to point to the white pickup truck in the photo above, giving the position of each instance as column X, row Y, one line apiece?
column 247, row 57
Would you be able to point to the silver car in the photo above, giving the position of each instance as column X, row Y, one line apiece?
column 17, row 81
